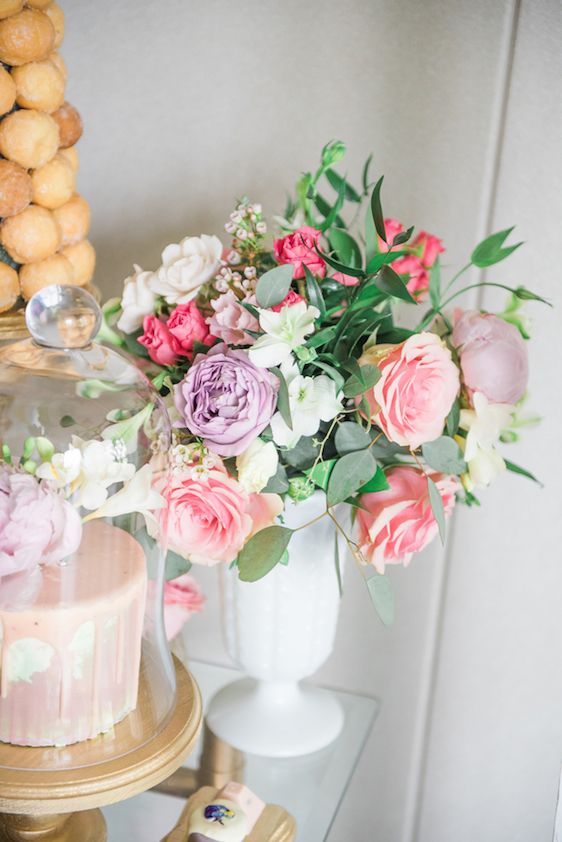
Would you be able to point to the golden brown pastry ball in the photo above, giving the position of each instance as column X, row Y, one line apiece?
column 53, row 183
column 59, row 63
column 39, row 85
column 15, row 188
column 38, row 4
column 7, row 91
column 71, row 155
column 27, row 36
column 56, row 269
column 73, row 219
column 31, row 235
column 10, row 7
column 30, row 138
column 83, row 259
column 69, row 122
column 56, row 16
column 9, row 287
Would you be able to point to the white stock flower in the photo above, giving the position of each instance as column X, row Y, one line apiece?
column 284, row 331
column 138, row 300
column 484, row 425
column 312, row 400
column 186, row 266
column 257, row 465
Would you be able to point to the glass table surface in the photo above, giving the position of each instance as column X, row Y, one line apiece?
column 310, row 787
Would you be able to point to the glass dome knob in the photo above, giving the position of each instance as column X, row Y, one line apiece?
column 63, row 317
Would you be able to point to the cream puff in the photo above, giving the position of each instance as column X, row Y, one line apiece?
column 15, row 188
column 31, row 235
column 29, row 137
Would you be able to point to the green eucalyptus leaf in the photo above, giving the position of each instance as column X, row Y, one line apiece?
column 444, row 455
column 283, row 402
column 349, row 473
column 358, row 384
column 320, row 473
column 490, row 250
column 377, row 483
column 351, row 436
column 303, row 454
column 176, row 565
column 274, row 285
column 517, row 469
column 376, row 209
column 262, row 552
column 453, row 417
column 436, row 503
column 389, row 282
column 382, row 597
column 278, row 483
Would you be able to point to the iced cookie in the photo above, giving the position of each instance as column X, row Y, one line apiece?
column 71, row 155
column 31, row 235
column 59, row 63
column 10, row 7
column 53, row 183
column 56, row 16
column 26, row 36
column 7, row 91
column 39, row 84
column 15, row 188
column 82, row 256
column 73, row 219
column 69, row 122
column 9, row 287
column 54, row 270
column 30, row 138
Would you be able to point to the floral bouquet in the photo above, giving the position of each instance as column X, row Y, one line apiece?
column 286, row 372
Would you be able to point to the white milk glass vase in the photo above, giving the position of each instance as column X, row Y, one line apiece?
column 280, row 630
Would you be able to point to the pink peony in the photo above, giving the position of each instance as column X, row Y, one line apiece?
column 298, row 248
column 291, row 298
column 411, row 265
column 418, row 384
column 431, row 248
column 231, row 321
column 182, row 598
column 37, row 526
column 162, row 346
column 399, row 521
column 188, row 326
column 493, row 356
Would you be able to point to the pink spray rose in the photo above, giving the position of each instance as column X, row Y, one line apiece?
column 182, row 598
column 399, row 521
column 188, row 326
column 493, row 356
column 431, row 248
column 411, row 265
column 291, row 298
column 298, row 248
column 226, row 399
column 392, row 228
column 416, row 265
column 37, row 526
column 231, row 321
column 346, row 280
column 418, row 384
column 162, row 346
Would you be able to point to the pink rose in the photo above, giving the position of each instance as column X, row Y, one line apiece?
column 231, row 321
column 291, row 298
column 188, row 326
column 182, row 598
column 418, row 384
column 493, row 356
column 392, row 228
column 431, row 248
column 399, row 521
column 411, row 265
column 298, row 248
column 346, row 280
column 162, row 346
column 37, row 526
column 207, row 516
column 264, row 509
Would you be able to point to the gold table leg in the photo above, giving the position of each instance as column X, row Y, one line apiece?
column 87, row 826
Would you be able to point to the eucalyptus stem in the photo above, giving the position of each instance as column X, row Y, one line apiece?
column 322, row 446
column 310, row 522
column 352, row 546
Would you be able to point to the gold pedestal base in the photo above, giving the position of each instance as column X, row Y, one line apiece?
column 88, row 826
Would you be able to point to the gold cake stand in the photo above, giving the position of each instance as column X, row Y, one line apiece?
column 54, row 793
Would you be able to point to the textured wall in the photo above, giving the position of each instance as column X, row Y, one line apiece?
column 188, row 103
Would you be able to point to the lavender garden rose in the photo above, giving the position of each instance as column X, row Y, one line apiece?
column 226, row 399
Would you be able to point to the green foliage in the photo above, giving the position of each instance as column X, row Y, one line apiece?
column 263, row 551
column 377, row 483
column 350, row 437
column 376, row 209
column 382, row 597
column 274, row 285
column 345, row 247
column 278, row 483
column 453, row 417
column 389, row 282
column 491, row 250
column 517, row 469
column 348, row 475
column 283, row 403
column 320, row 474
column 313, row 292
column 436, row 503
column 363, row 379
column 444, row 455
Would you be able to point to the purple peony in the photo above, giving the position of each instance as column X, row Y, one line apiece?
column 226, row 399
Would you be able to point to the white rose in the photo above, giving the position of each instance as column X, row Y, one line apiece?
column 186, row 266
column 138, row 300
column 257, row 465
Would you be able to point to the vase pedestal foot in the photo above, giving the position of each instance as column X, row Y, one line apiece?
column 275, row 719
column 86, row 826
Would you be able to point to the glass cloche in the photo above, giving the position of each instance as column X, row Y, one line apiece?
column 84, row 441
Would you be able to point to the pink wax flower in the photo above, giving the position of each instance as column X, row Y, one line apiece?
column 182, row 598
column 188, row 326
column 298, row 248
column 162, row 346
column 418, row 384
column 399, row 521
column 231, row 321
column 493, row 356
column 37, row 526
column 226, row 399
column 291, row 298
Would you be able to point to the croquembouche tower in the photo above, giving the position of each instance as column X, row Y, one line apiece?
column 44, row 220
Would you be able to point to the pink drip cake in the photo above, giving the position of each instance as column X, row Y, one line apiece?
column 70, row 659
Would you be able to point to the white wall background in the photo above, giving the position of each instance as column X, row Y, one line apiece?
column 188, row 103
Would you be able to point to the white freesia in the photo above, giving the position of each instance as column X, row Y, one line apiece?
column 137, row 495
column 138, row 300
column 186, row 266
column 284, row 331
column 63, row 468
column 311, row 399
column 484, row 425
column 257, row 465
